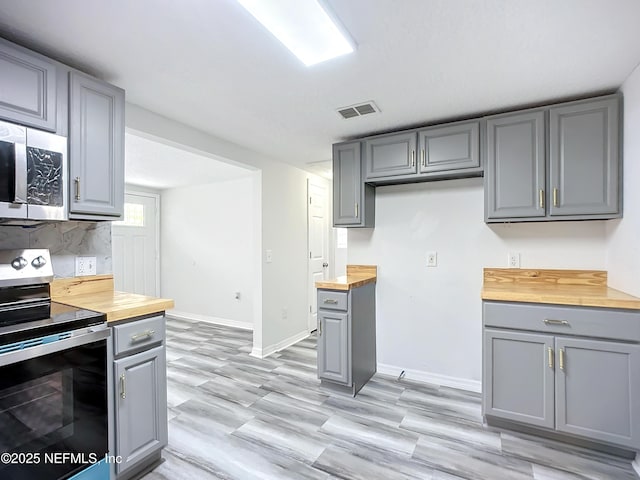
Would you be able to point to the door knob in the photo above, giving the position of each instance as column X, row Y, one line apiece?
column 325, row 265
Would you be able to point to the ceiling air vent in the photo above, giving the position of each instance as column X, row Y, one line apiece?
column 358, row 110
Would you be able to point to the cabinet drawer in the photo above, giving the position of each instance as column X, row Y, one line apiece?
column 568, row 320
column 333, row 300
column 138, row 333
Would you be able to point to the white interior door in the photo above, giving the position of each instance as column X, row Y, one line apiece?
column 318, row 235
column 136, row 245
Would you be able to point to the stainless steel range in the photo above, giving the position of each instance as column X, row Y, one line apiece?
column 53, row 375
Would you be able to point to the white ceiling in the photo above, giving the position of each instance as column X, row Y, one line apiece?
column 153, row 164
column 208, row 63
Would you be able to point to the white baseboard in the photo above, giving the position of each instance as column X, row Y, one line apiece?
column 636, row 464
column 287, row 342
column 213, row 320
column 433, row 378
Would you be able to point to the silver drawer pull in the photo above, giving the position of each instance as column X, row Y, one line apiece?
column 142, row 335
column 331, row 301
column 550, row 321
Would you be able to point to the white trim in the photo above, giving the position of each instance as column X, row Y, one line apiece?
column 433, row 378
column 287, row 342
column 208, row 319
column 636, row 464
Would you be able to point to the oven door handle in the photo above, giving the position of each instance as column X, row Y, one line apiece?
column 91, row 335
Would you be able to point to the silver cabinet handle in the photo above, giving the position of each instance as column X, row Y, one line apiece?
column 555, row 197
column 550, row 357
column 356, row 209
column 562, row 359
column 551, row 321
column 123, row 391
column 320, row 327
column 77, row 180
column 142, row 335
column 413, row 158
column 331, row 301
column 541, row 199
column 424, row 159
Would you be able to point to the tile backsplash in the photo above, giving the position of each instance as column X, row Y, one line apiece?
column 64, row 240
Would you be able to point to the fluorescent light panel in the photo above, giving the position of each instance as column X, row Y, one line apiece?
column 303, row 26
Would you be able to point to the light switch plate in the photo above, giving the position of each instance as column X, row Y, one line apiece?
column 269, row 256
column 513, row 260
column 85, row 266
column 432, row 259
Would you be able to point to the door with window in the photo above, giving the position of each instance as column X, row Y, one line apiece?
column 136, row 245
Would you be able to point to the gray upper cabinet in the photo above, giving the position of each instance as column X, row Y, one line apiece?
column 584, row 158
column 390, row 155
column 590, row 370
column 96, row 148
column 27, row 87
column 519, row 377
column 515, row 168
column 334, row 346
column 353, row 201
column 450, row 147
column 580, row 179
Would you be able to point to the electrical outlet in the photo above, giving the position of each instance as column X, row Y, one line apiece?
column 432, row 259
column 237, row 295
column 513, row 260
column 85, row 266
column 269, row 256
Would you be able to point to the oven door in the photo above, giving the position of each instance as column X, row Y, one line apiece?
column 53, row 406
column 13, row 171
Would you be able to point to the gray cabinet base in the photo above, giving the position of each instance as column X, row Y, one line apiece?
column 143, row 468
column 560, row 437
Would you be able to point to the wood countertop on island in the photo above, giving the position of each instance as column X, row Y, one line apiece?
column 97, row 293
column 587, row 288
column 357, row 276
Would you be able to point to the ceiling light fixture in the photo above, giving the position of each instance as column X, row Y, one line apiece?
column 304, row 26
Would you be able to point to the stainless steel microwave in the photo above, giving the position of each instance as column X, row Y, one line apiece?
column 33, row 174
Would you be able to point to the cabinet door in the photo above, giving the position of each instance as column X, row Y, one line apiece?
column 141, row 406
column 27, row 87
column 451, row 147
column 597, row 393
column 584, row 158
column 518, row 374
column 347, row 184
column 96, row 147
column 515, row 168
column 334, row 349
column 390, row 155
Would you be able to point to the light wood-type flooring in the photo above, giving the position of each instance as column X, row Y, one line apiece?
column 236, row 417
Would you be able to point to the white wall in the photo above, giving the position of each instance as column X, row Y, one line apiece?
column 429, row 320
column 206, row 236
column 283, row 227
column 623, row 247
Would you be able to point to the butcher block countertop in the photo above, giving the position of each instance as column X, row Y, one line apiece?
column 97, row 293
column 587, row 288
column 357, row 275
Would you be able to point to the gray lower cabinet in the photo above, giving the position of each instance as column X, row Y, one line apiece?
column 27, row 87
column 518, row 381
column 597, row 390
column 557, row 163
column 96, row 149
column 450, row 148
column 347, row 337
column 558, row 378
column 140, row 380
column 390, row 155
column 353, row 200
